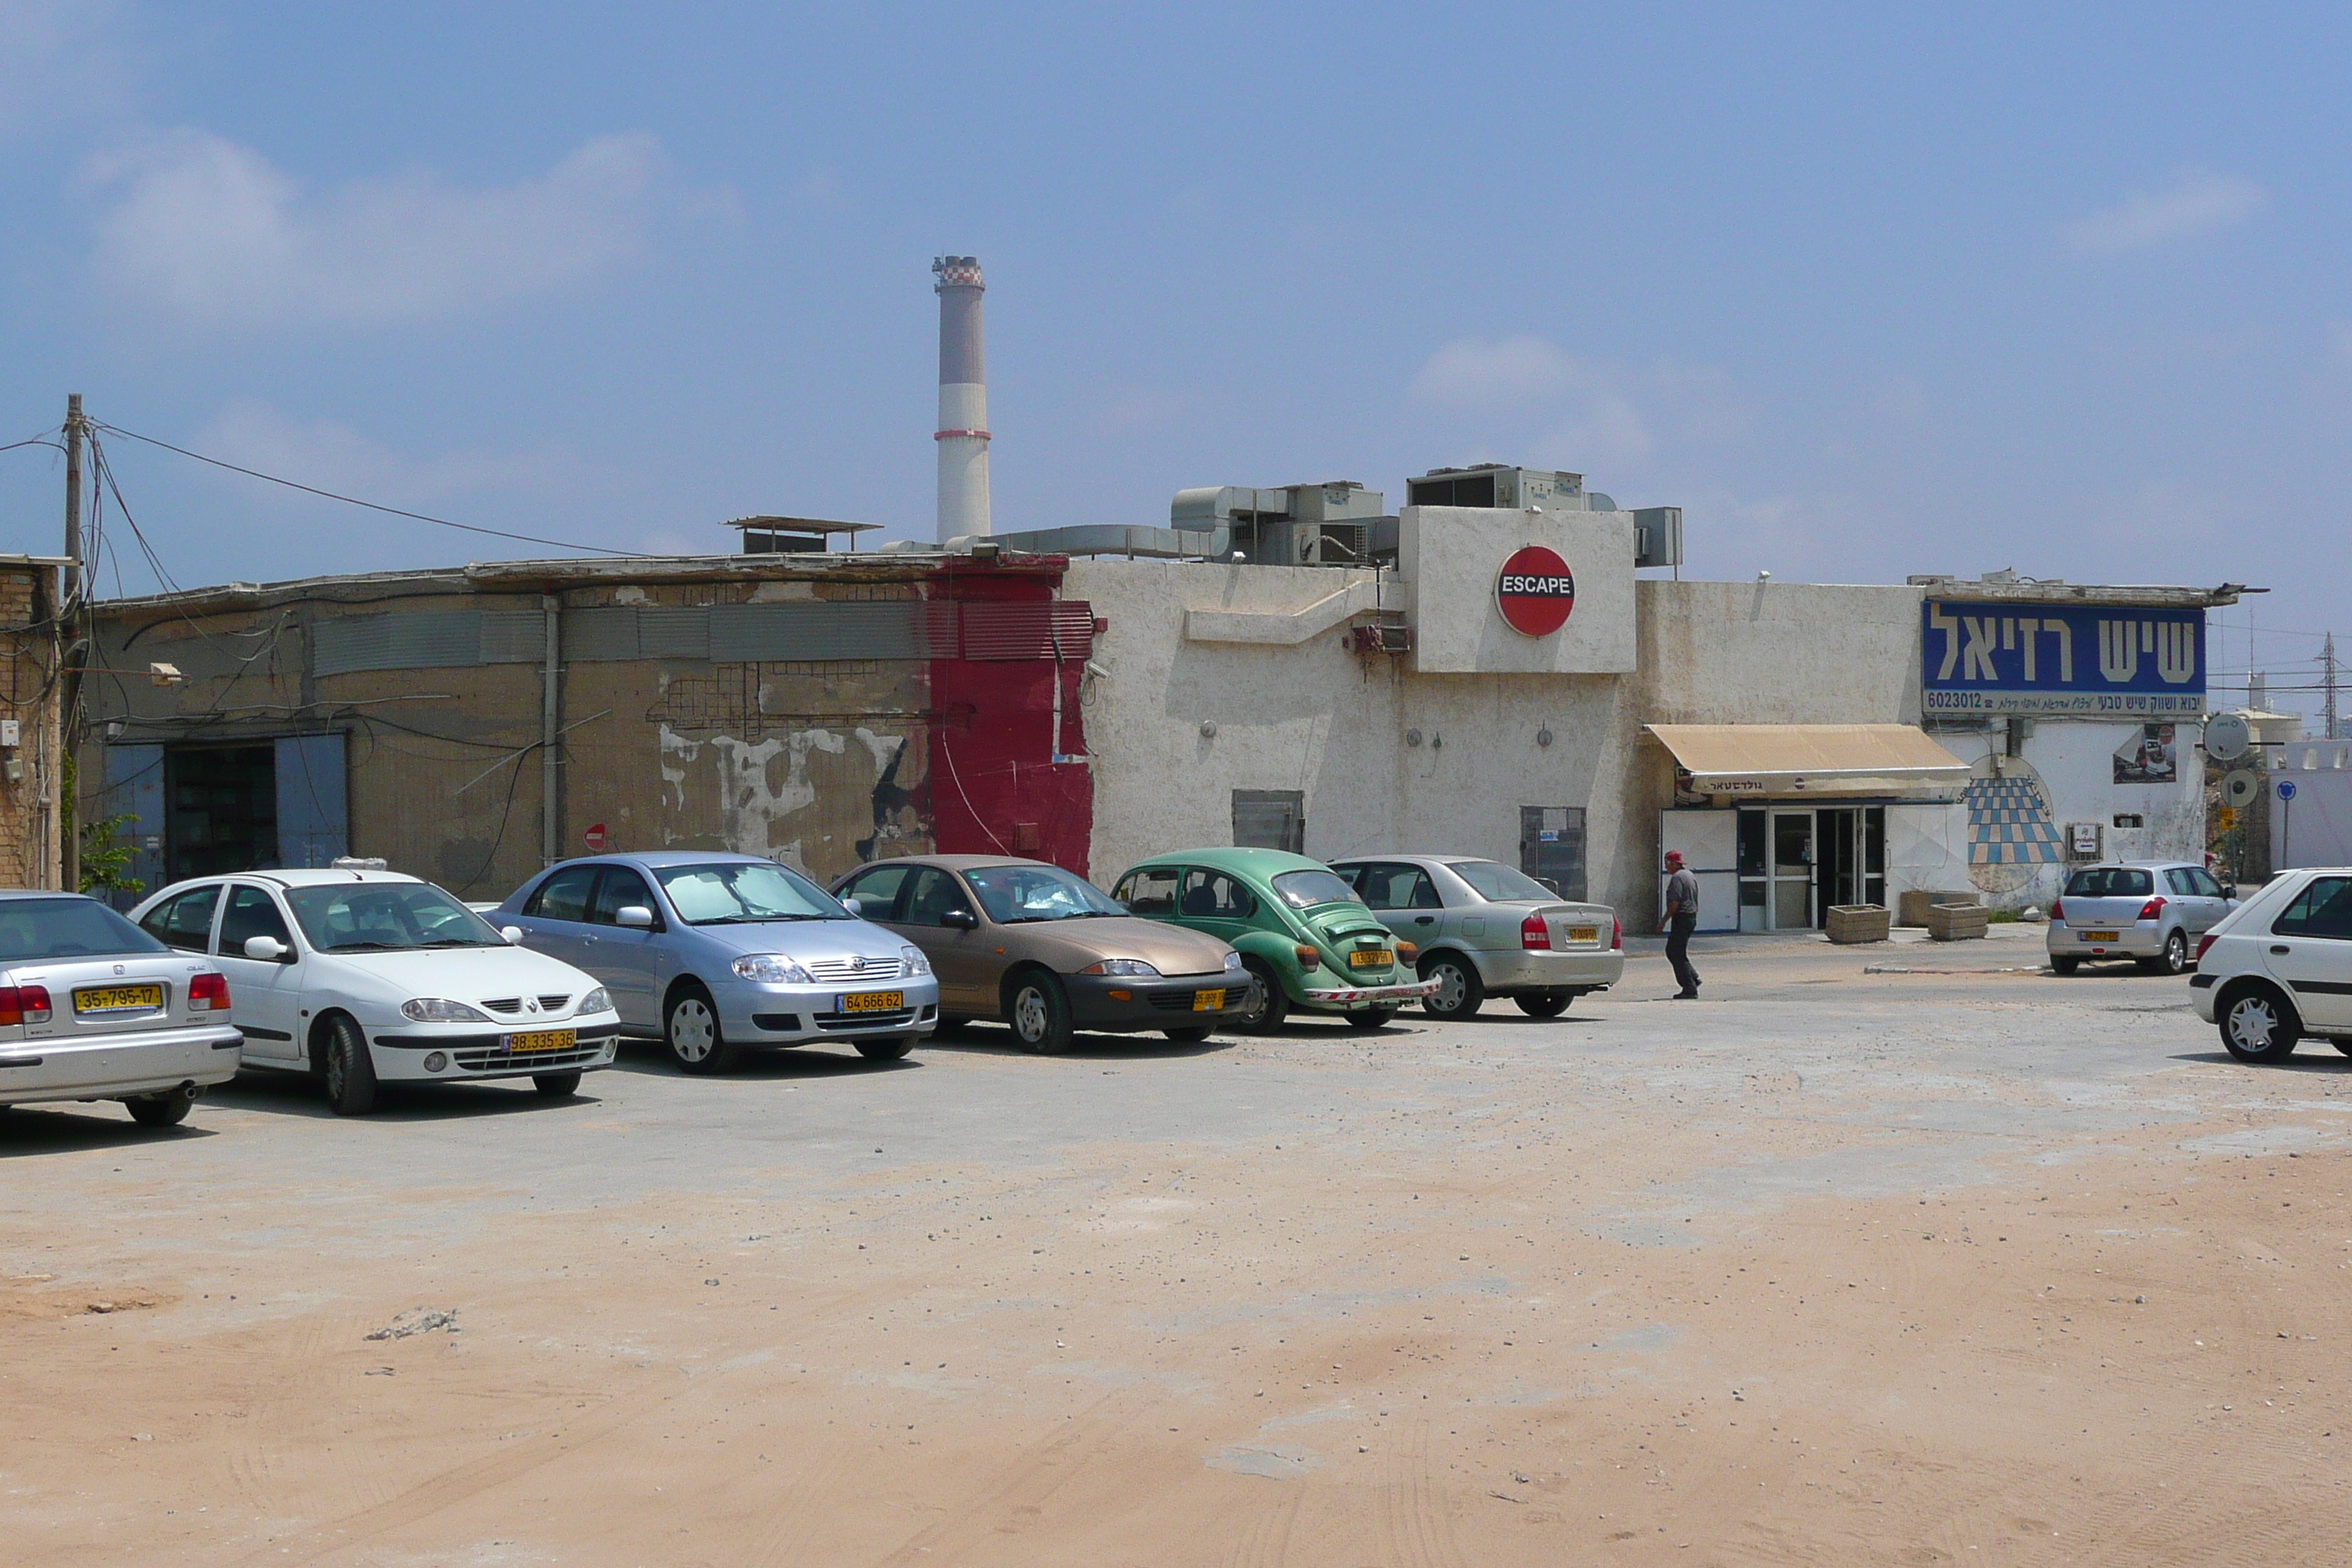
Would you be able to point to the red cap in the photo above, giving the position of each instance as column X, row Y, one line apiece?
column 1674, row 857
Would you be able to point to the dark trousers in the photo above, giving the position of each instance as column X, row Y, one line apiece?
column 1678, row 936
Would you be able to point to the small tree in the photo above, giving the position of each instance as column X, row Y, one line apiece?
column 106, row 853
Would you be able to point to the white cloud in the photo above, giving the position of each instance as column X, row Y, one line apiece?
column 211, row 232
column 1472, row 372
column 2196, row 202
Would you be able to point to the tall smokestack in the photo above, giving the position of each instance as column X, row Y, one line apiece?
column 962, row 434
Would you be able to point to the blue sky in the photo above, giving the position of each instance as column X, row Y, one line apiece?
column 1868, row 291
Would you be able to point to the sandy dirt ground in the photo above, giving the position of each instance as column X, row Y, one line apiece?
column 1970, row 1266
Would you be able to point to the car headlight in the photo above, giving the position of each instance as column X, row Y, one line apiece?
column 441, row 1010
column 771, row 968
column 597, row 1001
column 1130, row 966
column 912, row 957
column 1233, row 963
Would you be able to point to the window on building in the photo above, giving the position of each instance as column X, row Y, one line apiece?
column 1270, row 819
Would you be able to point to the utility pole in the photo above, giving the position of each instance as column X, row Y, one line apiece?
column 2327, row 675
column 70, row 616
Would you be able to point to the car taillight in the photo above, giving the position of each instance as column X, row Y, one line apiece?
column 24, row 1003
column 1406, row 951
column 1616, row 934
column 1534, row 935
column 2203, row 942
column 2057, row 908
column 1307, row 957
column 2152, row 911
column 208, row 993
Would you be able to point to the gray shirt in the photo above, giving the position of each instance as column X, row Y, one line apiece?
column 1682, row 892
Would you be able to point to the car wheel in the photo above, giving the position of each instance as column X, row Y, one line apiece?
column 166, row 1109
column 1192, row 1036
column 2064, row 965
column 556, row 1085
column 1371, row 1018
column 697, row 1043
column 2174, row 959
column 1543, row 1003
column 1460, row 992
column 1263, row 1015
column 350, row 1071
column 2257, row 1024
column 1039, row 1012
column 886, row 1050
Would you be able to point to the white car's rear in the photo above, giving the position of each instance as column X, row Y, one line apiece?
column 91, row 1007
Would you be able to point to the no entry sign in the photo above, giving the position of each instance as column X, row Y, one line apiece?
column 595, row 838
column 1534, row 591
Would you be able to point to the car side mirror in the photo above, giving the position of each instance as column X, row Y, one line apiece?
column 854, row 905
column 513, row 935
column 266, row 949
column 635, row 916
column 962, row 919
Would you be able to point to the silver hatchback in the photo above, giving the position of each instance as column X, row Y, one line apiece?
column 2149, row 912
column 1485, row 928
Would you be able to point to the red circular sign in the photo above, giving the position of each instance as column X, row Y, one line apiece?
column 1534, row 591
column 595, row 836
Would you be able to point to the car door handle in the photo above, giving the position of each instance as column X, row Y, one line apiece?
column 1424, row 920
column 2281, row 947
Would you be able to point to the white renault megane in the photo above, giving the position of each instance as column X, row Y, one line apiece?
column 364, row 977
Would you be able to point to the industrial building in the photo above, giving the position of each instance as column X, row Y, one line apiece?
column 1481, row 671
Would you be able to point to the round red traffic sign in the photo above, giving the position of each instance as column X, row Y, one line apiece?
column 1534, row 591
column 595, row 836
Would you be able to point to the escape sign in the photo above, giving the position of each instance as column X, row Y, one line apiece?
column 1534, row 591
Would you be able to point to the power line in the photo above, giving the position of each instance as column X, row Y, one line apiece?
column 354, row 500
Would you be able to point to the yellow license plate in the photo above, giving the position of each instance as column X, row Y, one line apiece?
column 544, row 1040
column 874, row 1002
column 1584, row 933
column 1371, row 958
column 117, row 998
column 1208, row 1001
column 2101, row 936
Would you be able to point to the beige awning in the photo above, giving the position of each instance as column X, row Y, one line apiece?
column 1810, row 760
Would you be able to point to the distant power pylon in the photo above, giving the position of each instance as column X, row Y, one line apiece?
column 2327, row 676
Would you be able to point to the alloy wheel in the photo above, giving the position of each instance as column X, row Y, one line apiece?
column 1450, row 987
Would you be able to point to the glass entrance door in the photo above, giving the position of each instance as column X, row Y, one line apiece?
column 1791, row 899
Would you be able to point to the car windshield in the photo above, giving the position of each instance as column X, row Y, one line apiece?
column 1305, row 889
column 1011, row 894
column 32, row 930
column 386, row 917
column 2109, row 882
column 1492, row 879
column 746, row 892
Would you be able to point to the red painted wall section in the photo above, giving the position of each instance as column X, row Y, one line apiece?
column 994, row 786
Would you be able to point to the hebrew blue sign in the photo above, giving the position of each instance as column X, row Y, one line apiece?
column 2069, row 659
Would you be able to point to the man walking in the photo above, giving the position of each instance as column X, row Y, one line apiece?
column 1681, row 919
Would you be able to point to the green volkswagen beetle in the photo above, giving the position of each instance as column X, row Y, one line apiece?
column 1302, row 932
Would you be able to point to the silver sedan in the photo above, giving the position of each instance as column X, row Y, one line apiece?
column 1485, row 928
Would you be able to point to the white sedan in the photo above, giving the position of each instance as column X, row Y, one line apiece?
column 364, row 977
column 2280, row 967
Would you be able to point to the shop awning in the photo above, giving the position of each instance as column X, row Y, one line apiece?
column 1810, row 760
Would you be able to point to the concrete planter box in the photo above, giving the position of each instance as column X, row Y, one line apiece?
column 1911, row 908
column 1858, row 923
column 1956, row 923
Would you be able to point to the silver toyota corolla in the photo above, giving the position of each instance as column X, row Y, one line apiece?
column 1485, row 928
column 711, row 953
